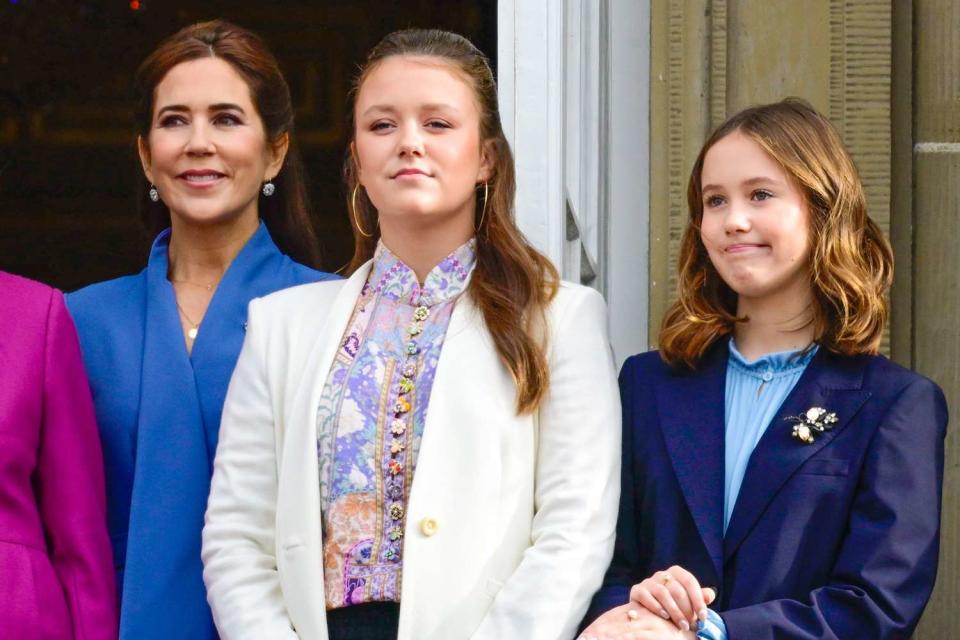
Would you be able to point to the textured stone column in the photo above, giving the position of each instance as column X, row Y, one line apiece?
column 936, row 264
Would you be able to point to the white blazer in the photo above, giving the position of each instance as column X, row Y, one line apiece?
column 510, row 522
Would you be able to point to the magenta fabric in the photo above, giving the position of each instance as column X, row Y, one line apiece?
column 56, row 570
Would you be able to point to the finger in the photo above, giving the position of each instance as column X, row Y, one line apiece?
column 665, row 597
column 709, row 595
column 642, row 596
column 694, row 594
column 687, row 615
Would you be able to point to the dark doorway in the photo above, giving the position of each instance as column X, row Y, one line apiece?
column 68, row 167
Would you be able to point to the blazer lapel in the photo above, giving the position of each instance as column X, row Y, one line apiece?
column 300, row 482
column 829, row 382
column 256, row 271
column 171, row 479
column 691, row 410
column 298, row 498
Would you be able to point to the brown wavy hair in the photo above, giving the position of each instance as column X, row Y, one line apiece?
column 287, row 211
column 851, row 263
column 512, row 283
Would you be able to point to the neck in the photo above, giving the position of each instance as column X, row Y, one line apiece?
column 423, row 249
column 202, row 254
column 776, row 323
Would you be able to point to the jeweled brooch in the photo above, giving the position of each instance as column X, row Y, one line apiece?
column 813, row 422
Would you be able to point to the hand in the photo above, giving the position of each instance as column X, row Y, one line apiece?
column 674, row 595
column 630, row 622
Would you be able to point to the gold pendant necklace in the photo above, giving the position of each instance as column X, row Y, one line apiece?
column 194, row 326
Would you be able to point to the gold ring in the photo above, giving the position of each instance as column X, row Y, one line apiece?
column 666, row 578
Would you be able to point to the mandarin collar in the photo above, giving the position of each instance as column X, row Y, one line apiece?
column 392, row 278
column 778, row 363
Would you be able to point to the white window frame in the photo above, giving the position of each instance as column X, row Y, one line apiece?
column 574, row 99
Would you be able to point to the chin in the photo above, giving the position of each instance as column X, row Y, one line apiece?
column 208, row 216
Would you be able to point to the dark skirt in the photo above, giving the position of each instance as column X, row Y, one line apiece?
column 371, row 621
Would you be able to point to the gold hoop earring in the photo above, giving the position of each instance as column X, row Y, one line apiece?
column 483, row 212
column 353, row 210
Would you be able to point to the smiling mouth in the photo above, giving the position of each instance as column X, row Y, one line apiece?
column 200, row 177
column 743, row 248
column 410, row 173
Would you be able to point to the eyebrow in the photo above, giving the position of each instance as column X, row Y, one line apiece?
column 220, row 106
column 437, row 106
column 745, row 183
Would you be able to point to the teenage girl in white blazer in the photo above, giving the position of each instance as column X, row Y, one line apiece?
column 429, row 449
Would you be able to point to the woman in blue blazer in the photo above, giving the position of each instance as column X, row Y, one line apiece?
column 215, row 120
column 769, row 453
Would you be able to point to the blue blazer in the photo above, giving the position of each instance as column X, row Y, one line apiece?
column 835, row 539
column 158, row 410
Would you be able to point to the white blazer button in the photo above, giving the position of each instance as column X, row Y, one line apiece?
column 428, row 526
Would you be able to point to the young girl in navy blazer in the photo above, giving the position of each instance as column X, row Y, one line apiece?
column 769, row 452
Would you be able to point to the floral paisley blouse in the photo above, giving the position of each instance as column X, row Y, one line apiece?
column 371, row 417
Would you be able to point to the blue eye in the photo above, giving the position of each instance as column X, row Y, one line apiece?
column 761, row 194
column 714, row 201
column 380, row 126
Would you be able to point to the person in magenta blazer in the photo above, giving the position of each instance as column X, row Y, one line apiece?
column 56, row 572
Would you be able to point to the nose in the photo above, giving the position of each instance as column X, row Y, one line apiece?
column 737, row 218
column 199, row 142
column 411, row 141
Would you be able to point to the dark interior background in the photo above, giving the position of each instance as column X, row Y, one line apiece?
column 68, row 166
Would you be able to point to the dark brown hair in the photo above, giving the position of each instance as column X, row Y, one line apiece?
column 851, row 263
column 512, row 283
column 286, row 212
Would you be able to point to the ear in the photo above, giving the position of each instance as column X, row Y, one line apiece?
column 488, row 155
column 356, row 163
column 143, row 149
column 277, row 153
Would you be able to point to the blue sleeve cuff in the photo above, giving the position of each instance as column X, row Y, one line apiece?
column 713, row 628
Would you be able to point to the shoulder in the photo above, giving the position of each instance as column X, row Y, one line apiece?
column 646, row 364
column 576, row 302
column 572, row 294
column 102, row 297
column 19, row 292
column 889, row 382
column 105, row 303
column 27, row 303
column 294, row 301
column 302, row 274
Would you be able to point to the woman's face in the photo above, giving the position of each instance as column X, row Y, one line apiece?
column 417, row 145
column 207, row 151
column 755, row 223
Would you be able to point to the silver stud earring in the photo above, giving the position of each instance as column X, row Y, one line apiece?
column 268, row 188
column 154, row 194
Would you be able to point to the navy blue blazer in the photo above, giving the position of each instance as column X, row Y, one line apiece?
column 158, row 409
column 835, row 539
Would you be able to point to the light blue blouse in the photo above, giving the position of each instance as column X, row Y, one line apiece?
column 754, row 392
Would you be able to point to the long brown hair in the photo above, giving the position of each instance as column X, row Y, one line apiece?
column 851, row 263
column 286, row 212
column 512, row 283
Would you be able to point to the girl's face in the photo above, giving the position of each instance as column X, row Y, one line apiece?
column 207, row 151
column 417, row 145
column 755, row 225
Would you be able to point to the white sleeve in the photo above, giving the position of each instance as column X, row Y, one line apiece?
column 239, row 550
column 577, row 485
